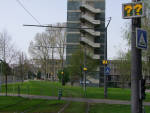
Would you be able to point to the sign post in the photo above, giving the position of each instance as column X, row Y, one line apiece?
column 135, row 11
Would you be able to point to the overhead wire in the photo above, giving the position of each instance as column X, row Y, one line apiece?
column 21, row 4
column 51, row 26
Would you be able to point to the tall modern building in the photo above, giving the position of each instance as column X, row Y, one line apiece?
column 89, row 16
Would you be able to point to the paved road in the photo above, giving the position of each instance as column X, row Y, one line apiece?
column 106, row 101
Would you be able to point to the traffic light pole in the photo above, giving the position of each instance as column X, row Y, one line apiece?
column 136, row 68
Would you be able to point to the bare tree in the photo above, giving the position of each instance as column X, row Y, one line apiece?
column 40, row 51
column 47, row 47
column 8, row 51
column 58, row 39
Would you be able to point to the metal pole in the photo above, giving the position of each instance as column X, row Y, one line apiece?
column 136, row 68
column 105, row 57
column 62, row 66
column 85, row 70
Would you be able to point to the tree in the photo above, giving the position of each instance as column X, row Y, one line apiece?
column 77, row 64
column 31, row 75
column 60, row 41
column 123, row 66
column 45, row 47
column 8, row 52
column 39, row 75
column 23, row 66
column 40, row 51
column 6, row 70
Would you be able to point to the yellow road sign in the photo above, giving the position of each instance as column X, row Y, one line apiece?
column 105, row 62
column 133, row 10
column 85, row 69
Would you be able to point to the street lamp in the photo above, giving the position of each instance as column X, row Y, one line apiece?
column 105, row 60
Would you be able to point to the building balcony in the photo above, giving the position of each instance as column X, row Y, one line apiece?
column 89, row 19
column 89, row 42
column 89, row 8
column 90, row 31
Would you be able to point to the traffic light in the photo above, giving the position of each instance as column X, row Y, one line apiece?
column 143, row 88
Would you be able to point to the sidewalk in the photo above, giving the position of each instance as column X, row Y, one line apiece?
column 106, row 101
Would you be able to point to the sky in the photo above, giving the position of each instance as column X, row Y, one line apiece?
column 13, row 16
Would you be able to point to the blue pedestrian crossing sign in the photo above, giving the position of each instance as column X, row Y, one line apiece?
column 141, row 38
column 107, row 70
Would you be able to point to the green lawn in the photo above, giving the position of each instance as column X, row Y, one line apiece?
column 108, row 108
column 51, row 89
column 76, row 107
column 19, row 104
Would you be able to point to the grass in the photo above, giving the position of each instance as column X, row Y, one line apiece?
column 109, row 108
column 18, row 104
column 106, row 108
column 51, row 89
column 76, row 107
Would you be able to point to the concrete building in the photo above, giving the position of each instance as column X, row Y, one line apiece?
column 88, row 16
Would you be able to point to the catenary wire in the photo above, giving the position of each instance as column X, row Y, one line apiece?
column 28, row 11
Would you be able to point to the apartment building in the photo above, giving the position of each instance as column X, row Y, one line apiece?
column 88, row 19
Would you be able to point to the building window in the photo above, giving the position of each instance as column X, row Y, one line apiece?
column 73, row 38
column 73, row 16
column 74, row 5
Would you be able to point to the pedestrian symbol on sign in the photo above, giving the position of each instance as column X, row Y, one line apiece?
column 141, row 38
column 107, row 70
column 142, row 41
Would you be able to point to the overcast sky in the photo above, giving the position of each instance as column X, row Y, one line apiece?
column 13, row 16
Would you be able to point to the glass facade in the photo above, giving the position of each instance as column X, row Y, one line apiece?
column 73, row 38
column 73, row 16
column 74, row 5
column 73, row 27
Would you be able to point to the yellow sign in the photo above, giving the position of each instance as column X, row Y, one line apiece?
column 138, row 8
column 105, row 62
column 85, row 69
column 128, row 9
column 133, row 10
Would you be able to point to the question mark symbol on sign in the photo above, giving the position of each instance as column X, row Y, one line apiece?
column 128, row 8
column 138, row 7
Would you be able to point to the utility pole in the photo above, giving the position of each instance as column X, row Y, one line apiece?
column 136, row 61
column 105, row 57
column 136, row 68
